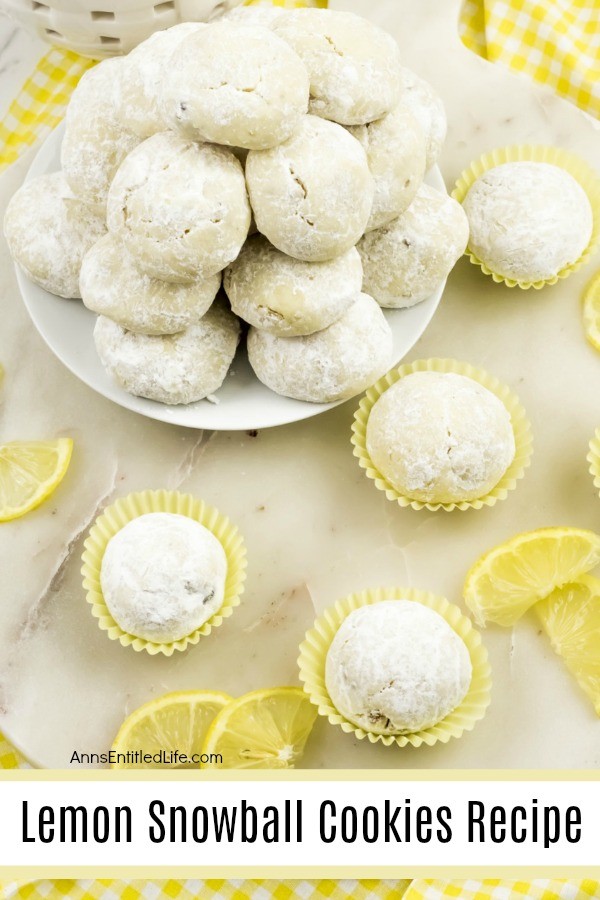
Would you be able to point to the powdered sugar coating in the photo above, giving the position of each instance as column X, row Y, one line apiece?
column 528, row 220
column 177, row 368
column 397, row 667
column 96, row 140
column 405, row 261
column 163, row 576
column 264, row 15
column 334, row 364
column 288, row 297
column 142, row 78
column 180, row 208
column 395, row 148
column 49, row 230
column 112, row 285
column 236, row 85
column 353, row 65
column 312, row 196
column 428, row 109
column 440, row 437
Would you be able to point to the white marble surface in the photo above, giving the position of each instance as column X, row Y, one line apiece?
column 315, row 527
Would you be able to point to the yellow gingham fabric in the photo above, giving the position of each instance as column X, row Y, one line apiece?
column 543, row 889
column 41, row 103
column 556, row 42
column 109, row 889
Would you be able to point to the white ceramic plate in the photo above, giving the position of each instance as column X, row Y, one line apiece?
column 244, row 403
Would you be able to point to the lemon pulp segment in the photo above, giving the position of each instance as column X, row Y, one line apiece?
column 505, row 582
column 570, row 616
column 30, row 471
column 265, row 729
column 174, row 722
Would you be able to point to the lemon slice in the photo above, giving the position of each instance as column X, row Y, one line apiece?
column 265, row 729
column 29, row 472
column 591, row 312
column 570, row 617
column 505, row 582
column 174, row 723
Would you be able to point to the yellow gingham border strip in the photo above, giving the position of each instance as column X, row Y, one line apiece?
column 555, row 43
column 495, row 889
column 108, row 889
column 41, row 103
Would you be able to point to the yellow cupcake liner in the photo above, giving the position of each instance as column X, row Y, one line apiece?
column 574, row 165
column 115, row 517
column 313, row 655
column 518, row 417
column 593, row 458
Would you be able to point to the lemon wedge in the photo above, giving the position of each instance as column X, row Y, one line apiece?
column 591, row 312
column 30, row 471
column 570, row 617
column 505, row 582
column 173, row 723
column 265, row 729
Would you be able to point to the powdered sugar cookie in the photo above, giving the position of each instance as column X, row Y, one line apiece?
column 235, row 85
column 396, row 667
column 405, row 261
column 163, row 576
column 142, row 78
column 528, row 220
column 112, row 285
column 96, row 140
column 395, row 148
column 312, row 196
column 288, row 297
column 49, row 230
column 440, row 437
column 334, row 364
column 354, row 66
column 177, row 368
column 264, row 15
column 426, row 106
column 180, row 208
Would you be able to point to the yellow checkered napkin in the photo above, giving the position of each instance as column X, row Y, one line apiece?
column 41, row 103
column 556, row 42
column 106, row 889
column 544, row 889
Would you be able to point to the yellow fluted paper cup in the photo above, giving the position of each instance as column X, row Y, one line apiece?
column 518, row 418
column 313, row 655
column 593, row 458
column 115, row 517
column 578, row 168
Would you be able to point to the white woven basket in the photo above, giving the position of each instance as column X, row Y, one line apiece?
column 100, row 28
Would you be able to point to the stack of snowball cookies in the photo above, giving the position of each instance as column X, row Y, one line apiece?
column 266, row 169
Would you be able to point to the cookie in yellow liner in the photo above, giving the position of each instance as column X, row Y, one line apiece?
column 519, row 421
column 570, row 162
column 593, row 458
column 313, row 655
column 131, row 507
column 591, row 311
